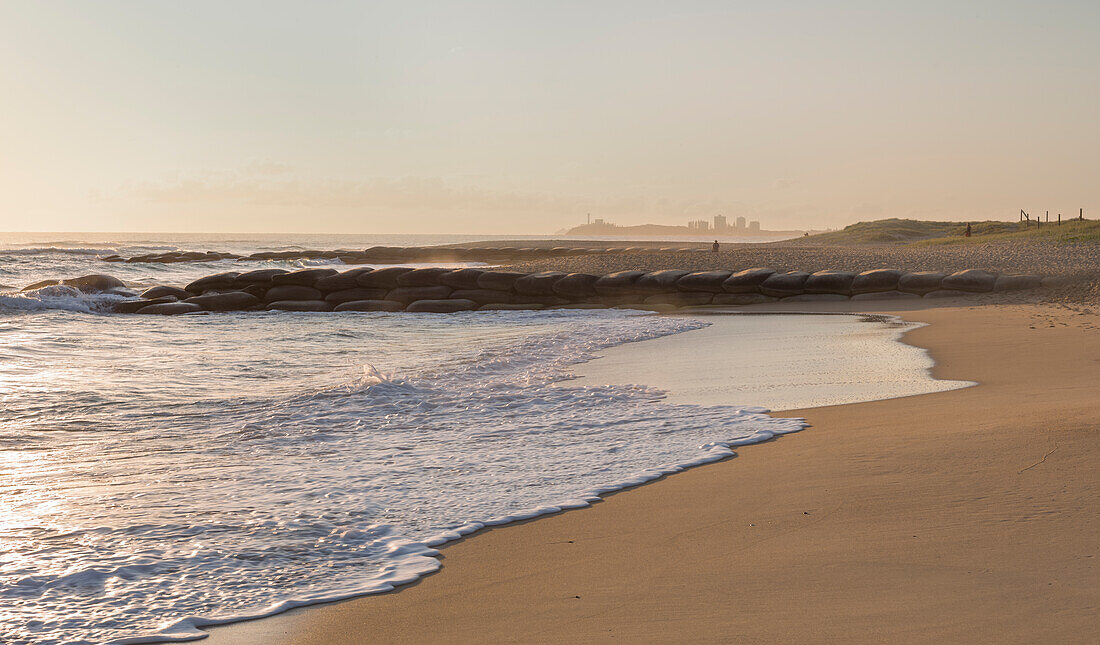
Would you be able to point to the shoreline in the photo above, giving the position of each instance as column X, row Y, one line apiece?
column 774, row 360
column 482, row 573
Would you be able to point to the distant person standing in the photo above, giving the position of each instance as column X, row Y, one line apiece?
column 714, row 247
column 967, row 233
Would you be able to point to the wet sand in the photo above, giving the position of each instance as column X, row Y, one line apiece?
column 778, row 362
column 966, row 515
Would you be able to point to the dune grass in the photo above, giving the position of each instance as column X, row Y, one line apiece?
column 1065, row 233
column 908, row 231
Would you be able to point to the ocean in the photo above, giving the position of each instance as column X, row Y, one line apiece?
column 159, row 474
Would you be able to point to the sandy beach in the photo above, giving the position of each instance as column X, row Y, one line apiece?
column 1077, row 261
column 961, row 515
column 436, row 322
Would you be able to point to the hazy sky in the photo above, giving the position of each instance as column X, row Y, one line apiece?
column 521, row 117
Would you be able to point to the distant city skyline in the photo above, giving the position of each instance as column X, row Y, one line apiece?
column 498, row 117
column 718, row 224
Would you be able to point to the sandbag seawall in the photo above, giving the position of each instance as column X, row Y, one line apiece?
column 442, row 290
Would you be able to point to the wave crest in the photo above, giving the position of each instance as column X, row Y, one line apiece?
column 60, row 297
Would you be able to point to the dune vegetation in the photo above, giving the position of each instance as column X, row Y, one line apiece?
column 909, row 231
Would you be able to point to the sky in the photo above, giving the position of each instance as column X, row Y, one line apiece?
column 525, row 117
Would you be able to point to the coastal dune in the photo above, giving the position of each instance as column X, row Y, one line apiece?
column 960, row 515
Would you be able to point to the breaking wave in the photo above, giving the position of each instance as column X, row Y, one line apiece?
column 60, row 297
column 334, row 491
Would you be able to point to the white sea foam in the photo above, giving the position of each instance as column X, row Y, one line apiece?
column 293, row 498
column 60, row 297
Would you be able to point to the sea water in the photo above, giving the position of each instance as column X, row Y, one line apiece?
column 163, row 473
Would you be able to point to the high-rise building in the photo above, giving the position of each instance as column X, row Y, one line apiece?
column 741, row 223
column 699, row 225
column 720, row 223
column 754, row 226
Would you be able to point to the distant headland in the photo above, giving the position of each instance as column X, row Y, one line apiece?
column 718, row 226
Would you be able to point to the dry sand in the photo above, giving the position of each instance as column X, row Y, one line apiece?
column 1078, row 262
column 968, row 515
